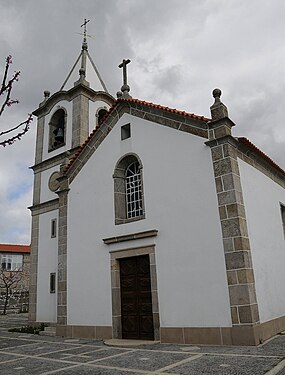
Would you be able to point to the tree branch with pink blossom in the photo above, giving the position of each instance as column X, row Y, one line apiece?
column 11, row 134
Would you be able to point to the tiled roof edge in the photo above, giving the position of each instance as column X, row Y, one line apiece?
column 5, row 247
column 168, row 109
column 265, row 157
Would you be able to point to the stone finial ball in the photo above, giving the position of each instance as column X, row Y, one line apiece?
column 217, row 93
column 125, row 88
column 119, row 94
column 46, row 93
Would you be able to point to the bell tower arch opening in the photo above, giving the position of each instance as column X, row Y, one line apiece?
column 57, row 129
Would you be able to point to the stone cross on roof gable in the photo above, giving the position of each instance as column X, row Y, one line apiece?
column 124, row 66
column 125, row 88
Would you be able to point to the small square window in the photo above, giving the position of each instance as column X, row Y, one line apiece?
column 53, row 228
column 125, row 131
column 52, row 283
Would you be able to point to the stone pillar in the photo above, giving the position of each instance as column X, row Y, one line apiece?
column 33, row 269
column 37, row 187
column 62, row 252
column 80, row 120
column 241, row 285
column 40, row 139
column 35, row 228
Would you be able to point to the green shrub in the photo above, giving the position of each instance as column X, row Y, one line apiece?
column 29, row 329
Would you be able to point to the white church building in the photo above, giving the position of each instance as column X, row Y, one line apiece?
column 152, row 223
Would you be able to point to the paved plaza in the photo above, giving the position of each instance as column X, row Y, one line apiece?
column 25, row 354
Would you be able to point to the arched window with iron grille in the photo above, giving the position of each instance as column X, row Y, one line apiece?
column 128, row 190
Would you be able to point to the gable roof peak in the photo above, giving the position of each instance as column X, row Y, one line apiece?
column 131, row 102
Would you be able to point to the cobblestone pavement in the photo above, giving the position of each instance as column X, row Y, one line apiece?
column 24, row 354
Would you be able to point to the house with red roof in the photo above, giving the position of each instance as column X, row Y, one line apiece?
column 152, row 223
column 15, row 269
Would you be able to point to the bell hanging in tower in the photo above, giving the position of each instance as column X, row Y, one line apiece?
column 59, row 135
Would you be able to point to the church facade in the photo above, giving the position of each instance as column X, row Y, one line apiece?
column 152, row 223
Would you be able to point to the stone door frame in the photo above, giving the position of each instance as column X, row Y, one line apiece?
column 115, row 256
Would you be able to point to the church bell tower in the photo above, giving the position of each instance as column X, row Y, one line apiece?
column 64, row 121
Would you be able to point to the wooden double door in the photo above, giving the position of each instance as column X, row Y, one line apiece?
column 136, row 300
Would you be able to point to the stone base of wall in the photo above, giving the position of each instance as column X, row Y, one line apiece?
column 85, row 332
column 266, row 330
column 237, row 335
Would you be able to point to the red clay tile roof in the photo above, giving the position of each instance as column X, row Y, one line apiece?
column 137, row 101
column 172, row 110
column 8, row 248
column 265, row 157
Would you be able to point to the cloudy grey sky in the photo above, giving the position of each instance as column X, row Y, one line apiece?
column 180, row 51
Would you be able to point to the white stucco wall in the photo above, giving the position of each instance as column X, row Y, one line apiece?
column 46, row 194
column 180, row 202
column 262, row 199
column 47, row 263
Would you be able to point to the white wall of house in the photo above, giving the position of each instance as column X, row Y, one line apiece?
column 47, row 263
column 180, row 202
column 262, row 199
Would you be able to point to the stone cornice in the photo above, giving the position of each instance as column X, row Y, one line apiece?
column 223, row 121
column 219, row 141
column 46, row 106
column 41, row 208
column 130, row 237
column 54, row 160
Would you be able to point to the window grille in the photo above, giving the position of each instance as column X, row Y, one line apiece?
column 128, row 190
column 134, row 191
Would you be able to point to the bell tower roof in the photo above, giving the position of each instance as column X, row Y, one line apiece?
column 84, row 70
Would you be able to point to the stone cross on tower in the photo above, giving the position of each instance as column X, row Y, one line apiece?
column 125, row 88
column 82, row 70
column 85, row 29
